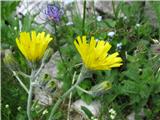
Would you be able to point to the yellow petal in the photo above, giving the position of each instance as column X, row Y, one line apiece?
column 33, row 46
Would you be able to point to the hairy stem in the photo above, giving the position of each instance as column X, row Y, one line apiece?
column 83, row 90
column 70, row 98
column 20, row 81
column 29, row 102
column 39, row 70
column 23, row 74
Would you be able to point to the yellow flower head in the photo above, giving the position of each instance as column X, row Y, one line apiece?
column 95, row 54
column 33, row 45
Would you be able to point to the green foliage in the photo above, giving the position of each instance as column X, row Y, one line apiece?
column 135, row 85
column 87, row 112
column 86, row 84
column 9, row 23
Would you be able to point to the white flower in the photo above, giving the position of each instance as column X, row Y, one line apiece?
column 138, row 25
column 111, row 110
column 125, row 17
column 15, row 28
column 19, row 108
column 111, row 34
column 69, row 23
column 99, row 18
column 6, row 106
column 119, row 45
column 93, row 118
column 45, row 112
column 112, row 116
column 112, row 113
column 97, row 40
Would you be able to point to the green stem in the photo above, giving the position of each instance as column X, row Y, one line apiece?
column 20, row 81
column 39, row 70
column 23, row 74
column 70, row 97
column 83, row 90
column 29, row 101
column 80, row 78
column 84, row 17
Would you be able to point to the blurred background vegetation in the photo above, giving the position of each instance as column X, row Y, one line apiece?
column 135, row 86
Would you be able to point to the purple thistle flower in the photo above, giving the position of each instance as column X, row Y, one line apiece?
column 53, row 12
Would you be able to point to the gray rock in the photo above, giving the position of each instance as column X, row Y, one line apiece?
column 150, row 14
column 132, row 115
column 45, row 90
column 94, row 107
column 42, row 97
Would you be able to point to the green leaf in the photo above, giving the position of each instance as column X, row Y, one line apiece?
column 87, row 112
column 58, row 115
column 110, row 23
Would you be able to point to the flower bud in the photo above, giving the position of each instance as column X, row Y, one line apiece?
column 100, row 88
column 10, row 61
column 47, row 55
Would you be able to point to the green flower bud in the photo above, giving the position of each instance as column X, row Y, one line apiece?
column 47, row 55
column 10, row 61
column 100, row 88
column 51, row 86
column 46, row 82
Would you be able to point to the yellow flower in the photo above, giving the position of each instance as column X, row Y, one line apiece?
column 95, row 54
column 33, row 45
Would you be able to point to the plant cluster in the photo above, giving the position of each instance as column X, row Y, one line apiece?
column 112, row 60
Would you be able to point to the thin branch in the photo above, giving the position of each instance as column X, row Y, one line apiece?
column 83, row 90
column 20, row 81
column 39, row 70
column 70, row 97
column 23, row 74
